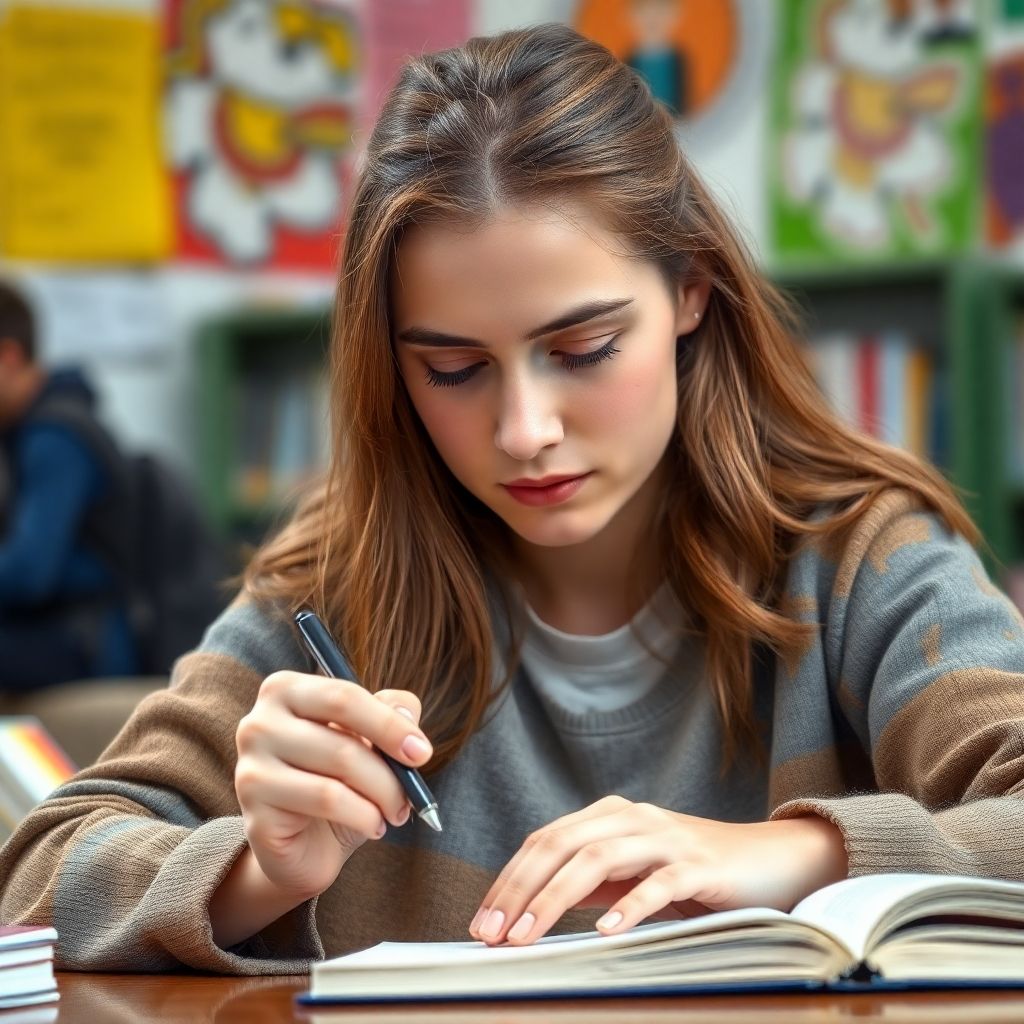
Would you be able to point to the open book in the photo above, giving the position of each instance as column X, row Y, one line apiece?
column 920, row 930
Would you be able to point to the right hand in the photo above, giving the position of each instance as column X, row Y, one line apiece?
column 311, row 788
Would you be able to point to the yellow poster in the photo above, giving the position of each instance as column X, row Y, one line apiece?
column 81, row 174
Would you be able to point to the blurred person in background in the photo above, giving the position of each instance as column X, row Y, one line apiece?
column 65, row 521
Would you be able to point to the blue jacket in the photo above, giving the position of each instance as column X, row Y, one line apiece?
column 57, row 479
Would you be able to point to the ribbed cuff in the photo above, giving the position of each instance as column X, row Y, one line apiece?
column 179, row 901
column 883, row 832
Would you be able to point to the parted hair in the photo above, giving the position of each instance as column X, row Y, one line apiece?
column 397, row 557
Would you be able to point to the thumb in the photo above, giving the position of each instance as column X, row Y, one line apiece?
column 402, row 701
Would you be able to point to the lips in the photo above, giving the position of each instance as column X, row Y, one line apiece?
column 544, row 481
column 546, row 490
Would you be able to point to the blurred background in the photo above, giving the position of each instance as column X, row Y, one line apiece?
column 174, row 174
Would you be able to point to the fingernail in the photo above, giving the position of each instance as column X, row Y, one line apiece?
column 480, row 915
column 383, row 828
column 522, row 927
column 406, row 712
column 491, row 927
column 403, row 815
column 610, row 920
column 414, row 748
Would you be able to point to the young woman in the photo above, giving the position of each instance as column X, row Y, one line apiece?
column 664, row 634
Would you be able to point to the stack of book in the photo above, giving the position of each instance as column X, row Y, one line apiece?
column 32, row 765
column 26, row 971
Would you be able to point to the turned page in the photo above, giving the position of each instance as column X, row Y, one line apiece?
column 853, row 908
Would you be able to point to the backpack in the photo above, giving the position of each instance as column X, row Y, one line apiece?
column 176, row 574
column 150, row 531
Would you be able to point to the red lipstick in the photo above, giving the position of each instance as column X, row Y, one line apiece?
column 546, row 490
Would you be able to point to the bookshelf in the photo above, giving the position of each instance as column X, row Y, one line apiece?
column 262, row 414
column 967, row 314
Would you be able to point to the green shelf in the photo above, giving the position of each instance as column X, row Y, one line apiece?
column 228, row 347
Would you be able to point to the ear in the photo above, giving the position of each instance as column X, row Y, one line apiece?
column 692, row 304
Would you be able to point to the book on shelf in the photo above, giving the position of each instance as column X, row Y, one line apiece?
column 884, row 385
column 875, row 931
column 32, row 765
column 282, row 437
column 256, row 425
column 26, row 971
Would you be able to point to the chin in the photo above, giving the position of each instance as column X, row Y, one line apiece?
column 556, row 531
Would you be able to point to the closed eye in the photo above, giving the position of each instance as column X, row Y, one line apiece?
column 570, row 361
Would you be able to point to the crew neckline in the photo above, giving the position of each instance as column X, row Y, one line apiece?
column 658, row 622
column 663, row 624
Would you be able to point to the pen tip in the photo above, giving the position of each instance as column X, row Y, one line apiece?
column 430, row 816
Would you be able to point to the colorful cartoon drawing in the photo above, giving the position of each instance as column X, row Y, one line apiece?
column 261, row 103
column 1004, row 145
column 867, row 146
column 656, row 55
column 685, row 49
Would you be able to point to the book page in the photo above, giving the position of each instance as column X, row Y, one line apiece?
column 403, row 955
column 857, row 910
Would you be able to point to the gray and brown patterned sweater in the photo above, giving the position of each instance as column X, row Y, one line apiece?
column 902, row 722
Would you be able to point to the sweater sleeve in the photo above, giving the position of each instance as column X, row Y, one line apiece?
column 926, row 659
column 124, row 858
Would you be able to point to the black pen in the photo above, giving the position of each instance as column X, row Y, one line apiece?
column 323, row 648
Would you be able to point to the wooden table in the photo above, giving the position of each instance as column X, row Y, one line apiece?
column 135, row 998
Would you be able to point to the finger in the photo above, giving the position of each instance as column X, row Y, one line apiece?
column 542, row 856
column 608, row 860
column 404, row 702
column 318, row 749
column 602, row 808
column 278, row 798
column 675, row 883
column 350, row 706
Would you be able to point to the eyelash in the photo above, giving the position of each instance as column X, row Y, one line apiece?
column 570, row 361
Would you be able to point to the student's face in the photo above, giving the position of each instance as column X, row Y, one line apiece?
column 594, row 400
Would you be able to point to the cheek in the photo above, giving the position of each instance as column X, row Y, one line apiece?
column 641, row 395
column 450, row 424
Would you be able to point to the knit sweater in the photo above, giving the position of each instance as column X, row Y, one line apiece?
column 901, row 721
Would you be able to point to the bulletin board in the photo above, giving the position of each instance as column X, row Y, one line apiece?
column 82, row 176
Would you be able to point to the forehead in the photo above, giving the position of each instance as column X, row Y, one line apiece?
column 519, row 263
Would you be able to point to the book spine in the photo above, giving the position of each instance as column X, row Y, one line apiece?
column 836, row 373
column 868, row 384
column 918, row 384
column 894, row 388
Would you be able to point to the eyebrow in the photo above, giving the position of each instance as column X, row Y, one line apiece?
column 581, row 314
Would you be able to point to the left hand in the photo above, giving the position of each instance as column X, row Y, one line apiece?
column 639, row 861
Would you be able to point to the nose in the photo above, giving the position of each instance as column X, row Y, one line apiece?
column 528, row 419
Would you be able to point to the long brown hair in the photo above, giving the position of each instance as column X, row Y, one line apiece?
column 397, row 556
